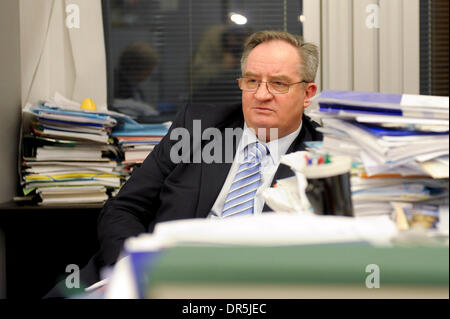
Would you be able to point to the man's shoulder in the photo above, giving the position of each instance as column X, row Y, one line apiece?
column 215, row 115
column 312, row 134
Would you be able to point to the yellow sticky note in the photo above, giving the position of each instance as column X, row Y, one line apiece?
column 401, row 220
column 88, row 104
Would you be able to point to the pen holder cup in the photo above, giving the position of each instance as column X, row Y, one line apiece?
column 328, row 189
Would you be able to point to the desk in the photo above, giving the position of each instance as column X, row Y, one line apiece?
column 39, row 242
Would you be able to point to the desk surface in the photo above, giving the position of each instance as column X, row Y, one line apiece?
column 14, row 206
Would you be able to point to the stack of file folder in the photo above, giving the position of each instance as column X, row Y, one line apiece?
column 398, row 143
column 137, row 140
column 68, row 155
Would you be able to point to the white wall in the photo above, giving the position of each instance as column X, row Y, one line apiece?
column 9, row 111
column 9, row 97
column 60, row 55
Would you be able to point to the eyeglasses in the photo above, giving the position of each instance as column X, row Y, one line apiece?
column 274, row 87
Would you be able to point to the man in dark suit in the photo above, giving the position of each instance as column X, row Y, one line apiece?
column 278, row 71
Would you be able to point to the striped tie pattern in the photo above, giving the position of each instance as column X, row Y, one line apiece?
column 241, row 196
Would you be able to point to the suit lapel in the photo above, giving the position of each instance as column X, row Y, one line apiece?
column 284, row 171
column 213, row 176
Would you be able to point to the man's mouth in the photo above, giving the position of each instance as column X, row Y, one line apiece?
column 263, row 109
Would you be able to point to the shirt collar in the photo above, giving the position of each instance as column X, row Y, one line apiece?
column 277, row 147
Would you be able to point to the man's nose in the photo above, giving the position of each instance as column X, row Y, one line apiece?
column 262, row 93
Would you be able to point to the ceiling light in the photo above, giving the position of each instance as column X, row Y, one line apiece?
column 238, row 18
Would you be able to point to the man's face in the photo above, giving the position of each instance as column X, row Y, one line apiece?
column 275, row 60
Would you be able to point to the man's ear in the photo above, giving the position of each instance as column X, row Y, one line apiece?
column 310, row 91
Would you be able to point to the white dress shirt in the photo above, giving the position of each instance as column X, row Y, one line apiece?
column 269, row 166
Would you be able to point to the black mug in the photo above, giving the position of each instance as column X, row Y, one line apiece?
column 329, row 190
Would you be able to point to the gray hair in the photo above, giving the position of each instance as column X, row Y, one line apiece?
column 309, row 53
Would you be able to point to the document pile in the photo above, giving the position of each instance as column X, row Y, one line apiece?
column 399, row 146
column 67, row 154
column 137, row 140
column 269, row 231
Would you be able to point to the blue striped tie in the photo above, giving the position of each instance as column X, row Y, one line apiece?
column 241, row 197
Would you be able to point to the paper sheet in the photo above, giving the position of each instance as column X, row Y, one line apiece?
column 270, row 229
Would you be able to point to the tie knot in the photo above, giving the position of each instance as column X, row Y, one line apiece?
column 257, row 151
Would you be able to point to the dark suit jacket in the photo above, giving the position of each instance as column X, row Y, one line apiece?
column 161, row 190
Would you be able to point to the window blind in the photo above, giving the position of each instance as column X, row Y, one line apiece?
column 434, row 34
column 164, row 53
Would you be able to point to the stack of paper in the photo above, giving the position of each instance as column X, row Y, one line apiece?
column 137, row 148
column 68, row 156
column 269, row 230
column 399, row 145
column 138, row 140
